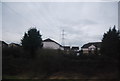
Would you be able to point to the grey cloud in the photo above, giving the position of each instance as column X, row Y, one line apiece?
column 82, row 22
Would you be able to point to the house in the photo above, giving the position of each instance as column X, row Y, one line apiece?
column 13, row 45
column 67, row 49
column 75, row 48
column 51, row 44
column 91, row 48
column 3, row 44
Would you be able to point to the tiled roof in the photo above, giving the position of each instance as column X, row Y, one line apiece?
column 98, row 44
column 66, row 47
column 75, row 47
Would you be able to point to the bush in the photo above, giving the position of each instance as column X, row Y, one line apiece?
column 16, row 61
column 50, row 60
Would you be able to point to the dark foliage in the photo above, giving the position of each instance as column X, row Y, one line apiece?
column 47, row 62
column 110, row 43
column 32, row 41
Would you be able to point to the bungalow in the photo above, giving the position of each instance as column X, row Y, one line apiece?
column 75, row 48
column 91, row 48
column 51, row 44
column 67, row 49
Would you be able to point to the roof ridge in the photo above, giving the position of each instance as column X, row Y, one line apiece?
column 91, row 43
column 94, row 42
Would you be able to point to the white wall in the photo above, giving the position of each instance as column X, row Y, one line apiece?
column 51, row 45
column 85, row 50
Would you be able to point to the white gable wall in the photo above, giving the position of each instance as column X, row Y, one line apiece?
column 51, row 45
column 92, row 47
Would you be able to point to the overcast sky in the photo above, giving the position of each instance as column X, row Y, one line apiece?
column 82, row 22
